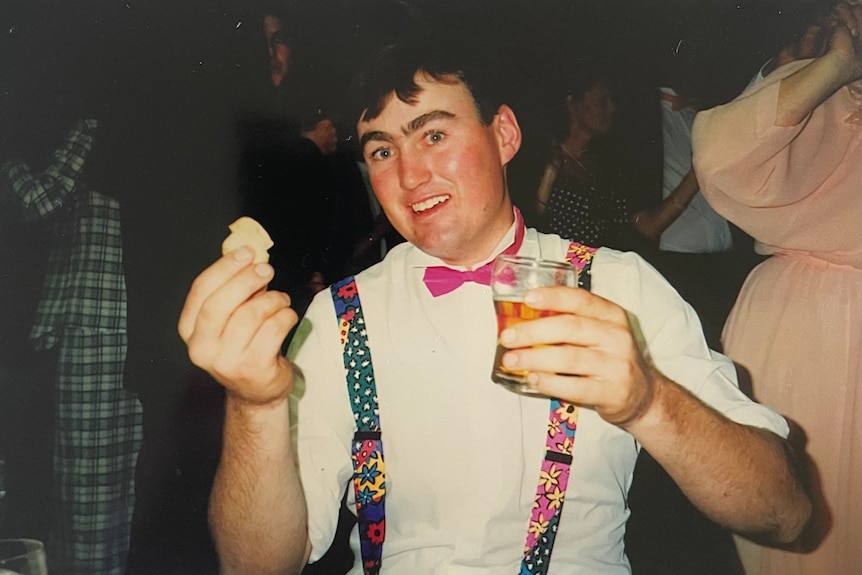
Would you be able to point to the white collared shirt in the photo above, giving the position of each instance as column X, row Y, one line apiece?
column 463, row 454
column 699, row 229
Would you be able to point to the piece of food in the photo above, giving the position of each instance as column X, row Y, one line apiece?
column 247, row 232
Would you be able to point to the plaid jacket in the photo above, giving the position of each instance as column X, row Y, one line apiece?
column 82, row 312
column 84, row 285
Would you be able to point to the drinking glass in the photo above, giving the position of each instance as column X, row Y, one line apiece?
column 22, row 557
column 510, row 280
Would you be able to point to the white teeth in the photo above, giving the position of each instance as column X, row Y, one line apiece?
column 428, row 204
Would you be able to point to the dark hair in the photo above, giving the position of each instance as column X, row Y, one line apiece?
column 584, row 78
column 579, row 79
column 291, row 20
column 392, row 70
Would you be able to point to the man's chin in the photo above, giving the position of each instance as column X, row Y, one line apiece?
column 434, row 249
column 449, row 256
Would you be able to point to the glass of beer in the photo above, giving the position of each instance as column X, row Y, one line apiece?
column 511, row 278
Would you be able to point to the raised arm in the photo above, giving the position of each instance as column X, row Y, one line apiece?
column 740, row 476
column 234, row 329
column 39, row 195
column 840, row 65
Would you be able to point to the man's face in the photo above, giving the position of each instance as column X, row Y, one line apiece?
column 439, row 173
column 279, row 50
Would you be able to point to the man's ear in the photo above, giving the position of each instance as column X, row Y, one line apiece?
column 508, row 133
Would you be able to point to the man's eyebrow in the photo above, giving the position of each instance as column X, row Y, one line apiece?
column 417, row 123
column 376, row 136
column 414, row 125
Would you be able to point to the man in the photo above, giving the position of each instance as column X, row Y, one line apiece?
column 695, row 245
column 278, row 48
column 462, row 454
column 294, row 179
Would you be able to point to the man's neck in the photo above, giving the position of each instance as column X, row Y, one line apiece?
column 506, row 240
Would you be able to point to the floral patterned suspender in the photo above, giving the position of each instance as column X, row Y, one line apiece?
column 554, row 476
column 369, row 471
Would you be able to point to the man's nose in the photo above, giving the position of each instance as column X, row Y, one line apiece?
column 413, row 169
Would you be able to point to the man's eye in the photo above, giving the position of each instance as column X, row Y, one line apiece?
column 381, row 154
column 434, row 137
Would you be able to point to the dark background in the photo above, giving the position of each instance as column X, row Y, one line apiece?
column 59, row 57
column 175, row 71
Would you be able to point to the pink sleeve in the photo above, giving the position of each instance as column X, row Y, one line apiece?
column 741, row 157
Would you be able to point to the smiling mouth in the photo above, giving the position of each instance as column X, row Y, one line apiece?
column 422, row 206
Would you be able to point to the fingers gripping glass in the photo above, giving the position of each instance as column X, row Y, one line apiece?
column 510, row 280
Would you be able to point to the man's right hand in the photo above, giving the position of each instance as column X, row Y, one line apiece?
column 234, row 329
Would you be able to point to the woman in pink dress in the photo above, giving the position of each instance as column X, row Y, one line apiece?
column 784, row 162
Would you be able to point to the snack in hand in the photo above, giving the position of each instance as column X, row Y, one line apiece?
column 247, row 231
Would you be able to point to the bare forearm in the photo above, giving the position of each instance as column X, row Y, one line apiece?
column 653, row 222
column 840, row 65
column 544, row 191
column 801, row 92
column 741, row 477
column 257, row 508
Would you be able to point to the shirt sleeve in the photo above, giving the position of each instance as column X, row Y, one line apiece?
column 670, row 332
column 40, row 195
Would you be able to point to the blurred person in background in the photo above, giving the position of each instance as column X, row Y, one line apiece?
column 783, row 162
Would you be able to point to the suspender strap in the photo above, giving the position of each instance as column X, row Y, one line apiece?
column 581, row 257
column 554, row 476
column 369, row 470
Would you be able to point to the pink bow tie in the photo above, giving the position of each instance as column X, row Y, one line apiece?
column 441, row 280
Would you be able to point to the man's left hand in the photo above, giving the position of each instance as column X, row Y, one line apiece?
column 587, row 354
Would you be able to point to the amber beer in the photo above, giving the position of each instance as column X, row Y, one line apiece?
column 510, row 313
column 512, row 277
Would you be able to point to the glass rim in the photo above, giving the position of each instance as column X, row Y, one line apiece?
column 535, row 262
